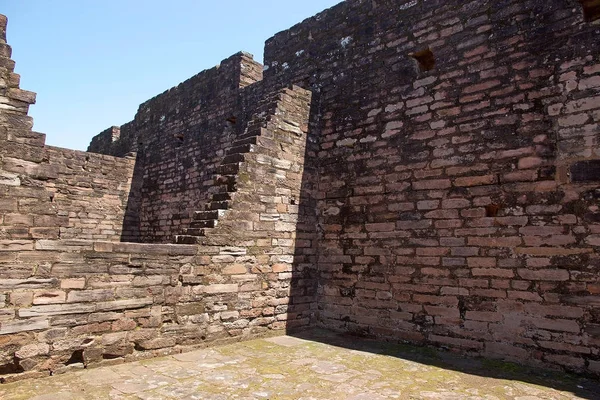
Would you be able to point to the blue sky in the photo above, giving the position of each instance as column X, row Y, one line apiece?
column 93, row 62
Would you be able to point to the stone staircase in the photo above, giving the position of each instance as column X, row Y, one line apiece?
column 226, row 178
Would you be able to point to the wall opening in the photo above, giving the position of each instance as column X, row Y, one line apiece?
column 76, row 358
column 591, row 9
column 425, row 59
column 586, row 171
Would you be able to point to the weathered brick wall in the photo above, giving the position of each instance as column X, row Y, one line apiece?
column 180, row 137
column 266, row 211
column 69, row 303
column 450, row 200
column 47, row 192
column 95, row 301
column 63, row 194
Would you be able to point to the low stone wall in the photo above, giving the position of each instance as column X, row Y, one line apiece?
column 89, row 302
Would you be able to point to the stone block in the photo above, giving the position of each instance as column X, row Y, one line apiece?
column 220, row 288
column 23, row 325
column 48, row 297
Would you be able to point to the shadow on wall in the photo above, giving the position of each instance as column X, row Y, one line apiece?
column 131, row 219
column 302, row 306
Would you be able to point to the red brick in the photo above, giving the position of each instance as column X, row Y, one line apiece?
column 475, row 180
column 500, row 283
column 493, row 293
column 496, row 272
column 421, row 224
column 452, row 241
column 486, row 316
column 432, row 184
column 506, row 351
column 428, row 204
column 417, row 260
column 531, row 296
column 484, row 262
column 481, row 86
column 560, row 325
column 442, row 214
column 512, row 221
column 454, row 291
column 473, row 212
column 584, row 104
column 541, row 230
column 437, row 300
column 544, row 274
column 448, row 223
column 465, row 251
column 442, row 311
column 510, row 241
column 481, row 283
column 456, row 203
column 381, row 227
column 554, row 310
column 433, row 251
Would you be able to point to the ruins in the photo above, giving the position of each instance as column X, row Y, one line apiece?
column 425, row 171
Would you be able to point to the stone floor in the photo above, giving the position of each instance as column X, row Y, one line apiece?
column 320, row 365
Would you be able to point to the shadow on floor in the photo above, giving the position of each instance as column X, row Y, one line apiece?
column 581, row 386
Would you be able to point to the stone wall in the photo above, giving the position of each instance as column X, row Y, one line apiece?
column 70, row 303
column 67, row 303
column 47, row 192
column 458, row 172
column 439, row 187
column 181, row 137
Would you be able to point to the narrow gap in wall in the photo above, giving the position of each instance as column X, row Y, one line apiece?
column 425, row 59
column 232, row 119
column 591, row 9
column 491, row 210
column 76, row 358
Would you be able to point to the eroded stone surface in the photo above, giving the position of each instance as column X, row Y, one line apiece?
column 318, row 365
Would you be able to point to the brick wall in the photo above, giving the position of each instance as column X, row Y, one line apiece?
column 442, row 190
column 69, row 303
column 66, row 303
column 48, row 192
column 180, row 137
column 458, row 205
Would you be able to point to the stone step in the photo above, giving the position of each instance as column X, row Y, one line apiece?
column 200, row 224
column 225, row 179
column 251, row 133
column 222, row 196
column 233, row 158
column 217, row 205
column 243, row 141
column 205, row 215
column 228, row 169
column 246, row 148
column 230, row 188
column 186, row 239
column 194, row 232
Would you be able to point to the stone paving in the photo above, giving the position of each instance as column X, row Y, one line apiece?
column 318, row 365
